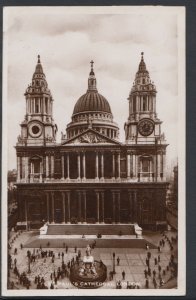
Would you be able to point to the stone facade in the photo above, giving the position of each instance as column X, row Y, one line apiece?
column 91, row 177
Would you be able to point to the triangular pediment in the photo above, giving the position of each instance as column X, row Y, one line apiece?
column 90, row 136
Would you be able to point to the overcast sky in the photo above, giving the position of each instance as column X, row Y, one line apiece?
column 68, row 41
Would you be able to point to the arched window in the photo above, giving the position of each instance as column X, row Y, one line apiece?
column 134, row 104
column 35, row 165
column 144, row 103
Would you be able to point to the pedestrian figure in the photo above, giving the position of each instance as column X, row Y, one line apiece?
column 159, row 268
column 66, row 249
column 155, row 261
column 123, row 275
column 147, row 284
column 159, row 258
column 52, row 286
column 21, row 246
column 145, row 273
column 15, row 251
column 149, row 255
column 164, row 272
column 154, row 283
column 154, row 273
column 118, row 261
column 75, row 249
column 147, row 262
column 59, row 255
column 147, row 247
column 159, row 249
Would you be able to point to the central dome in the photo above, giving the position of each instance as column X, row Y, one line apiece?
column 92, row 101
column 92, row 110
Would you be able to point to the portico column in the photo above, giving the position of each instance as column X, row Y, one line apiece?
column 68, row 206
column 47, row 203
column 18, row 168
column 118, row 165
column 63, row 206
column 78, row 159
column 47, row 167
column 79, row 207
column 52, row 194
column 52, row 166
column 102, row 166
column 130, row 207
column 97, row 195
column 97, row 166
column 62, row 166
column 67, row 165
column 113, row 165
column 26, row 213
column 102, row 206
column 128, row 165
column 135, row 206
column 118, row 206
column 84, row 196
column 158, row 165
column 113, row 207
column 84, row 165
column 134, row 167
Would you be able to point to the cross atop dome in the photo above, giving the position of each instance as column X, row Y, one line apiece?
column 92, row 62
column 38, row 61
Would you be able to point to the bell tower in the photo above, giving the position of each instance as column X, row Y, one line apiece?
column 38, row 128
column 143, row 125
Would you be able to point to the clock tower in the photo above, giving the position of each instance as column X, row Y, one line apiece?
column 143, row 129
column 143, row 125
column 38, row 128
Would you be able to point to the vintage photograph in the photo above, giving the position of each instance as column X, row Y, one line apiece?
column 93, row 191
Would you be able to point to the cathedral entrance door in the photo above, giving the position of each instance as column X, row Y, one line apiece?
column 124, row 216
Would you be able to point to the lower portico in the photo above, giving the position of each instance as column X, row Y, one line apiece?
column 92, row 204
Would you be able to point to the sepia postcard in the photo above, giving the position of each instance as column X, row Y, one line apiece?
column 93, row 166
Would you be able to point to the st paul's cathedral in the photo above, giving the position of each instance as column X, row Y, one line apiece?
column 90, row 176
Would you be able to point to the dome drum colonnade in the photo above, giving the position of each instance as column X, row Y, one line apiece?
column 90, row 156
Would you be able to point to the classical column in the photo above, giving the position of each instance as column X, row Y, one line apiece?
column 135, row 206
column 78, row 163
column 47, row 167
column 79, row 207
column 62, row 166
column 84, row 197
column 136, row 166
column 47, row 205
column 102, row 206
column 113, row 208
column 63, row 206
column 113, row 165
column 52, row 166
column 97, row 196
column 128, row 165
column 158, row 165
column 52, row 194
column 130, row 207
column 118, row 159
column 26, row 213
column 97, row 166
column 84, row 165
column 102, row 166
column 134, row 173
column 18, row 168
column 164, row 165
column 118, row 206
column 67, row 165
column 68, row 206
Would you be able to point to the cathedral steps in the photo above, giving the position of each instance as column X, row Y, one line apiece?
column 90, row 229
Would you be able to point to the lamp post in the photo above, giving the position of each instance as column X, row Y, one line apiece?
column 114, row 272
